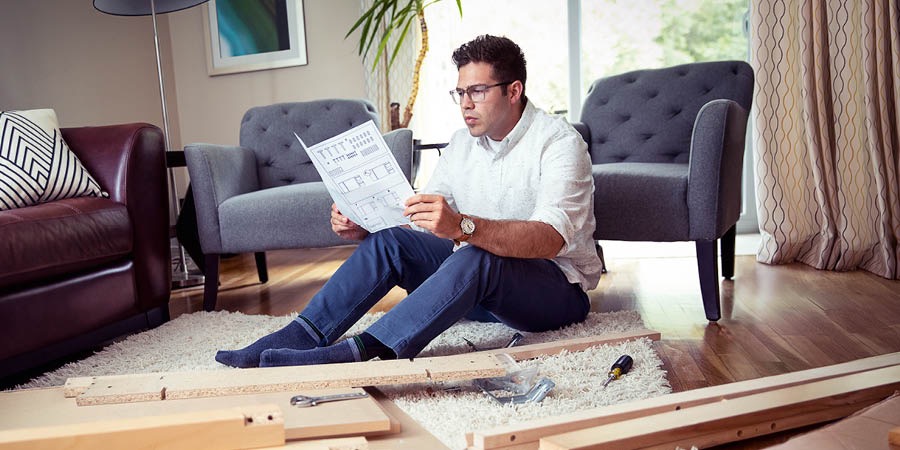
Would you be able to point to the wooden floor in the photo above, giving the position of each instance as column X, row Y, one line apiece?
column 776, row 319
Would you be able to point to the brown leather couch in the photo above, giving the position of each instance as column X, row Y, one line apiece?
column 76, row 273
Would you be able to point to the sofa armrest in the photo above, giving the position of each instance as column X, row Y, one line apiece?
column 716, row 163
column 401, row 144
column 129, row 162
column 217, row 174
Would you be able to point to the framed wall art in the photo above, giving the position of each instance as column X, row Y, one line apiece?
column 248, row 35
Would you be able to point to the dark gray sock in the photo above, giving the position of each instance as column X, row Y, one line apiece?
column 347, row 350
column 297, row 335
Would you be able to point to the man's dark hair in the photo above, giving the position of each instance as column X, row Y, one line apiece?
column 504, row 56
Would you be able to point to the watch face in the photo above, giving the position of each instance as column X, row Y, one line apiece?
column 467, row 225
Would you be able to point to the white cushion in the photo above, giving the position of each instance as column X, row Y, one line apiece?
column 36, row 165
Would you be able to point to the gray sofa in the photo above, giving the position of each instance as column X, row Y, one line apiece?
column 667, row 147
column 266, row 193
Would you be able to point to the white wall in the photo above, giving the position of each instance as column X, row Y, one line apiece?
column 210, row 108
column 94, row 68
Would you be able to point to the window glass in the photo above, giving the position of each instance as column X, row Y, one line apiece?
column 620, row 36
column 537, row 26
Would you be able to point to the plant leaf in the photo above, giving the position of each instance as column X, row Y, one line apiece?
column 400, row 42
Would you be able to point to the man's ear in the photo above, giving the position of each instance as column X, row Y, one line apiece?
column 514, row 91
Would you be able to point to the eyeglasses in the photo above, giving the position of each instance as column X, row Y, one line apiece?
column 476, row 93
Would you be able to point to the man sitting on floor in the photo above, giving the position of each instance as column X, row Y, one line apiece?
column 508, row 222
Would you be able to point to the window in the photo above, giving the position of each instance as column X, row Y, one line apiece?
column 537, row 26
column 620, row 36
column 614, row 36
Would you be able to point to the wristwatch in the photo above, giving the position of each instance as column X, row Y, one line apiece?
column 467, row 226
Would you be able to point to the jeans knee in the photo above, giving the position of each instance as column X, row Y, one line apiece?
column 386, row 238
column 475, row 255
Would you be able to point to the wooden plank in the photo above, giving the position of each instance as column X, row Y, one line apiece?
column 864, row 429
column 737, row 419
column 894, row 437
column 529, row 432
column 135, row 388
column 246, row 427
column 412, row 437
column 347, row 443
column 180, row 385
column 46, row 407
column 530, row 351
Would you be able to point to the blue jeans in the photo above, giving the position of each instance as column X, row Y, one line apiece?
column 444, row 286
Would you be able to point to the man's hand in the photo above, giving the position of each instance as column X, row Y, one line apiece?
column 344, row 227
column 432, row 213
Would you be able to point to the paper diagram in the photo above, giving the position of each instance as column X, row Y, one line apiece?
column 362, row 176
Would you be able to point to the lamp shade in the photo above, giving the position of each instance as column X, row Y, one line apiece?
column 142, row 7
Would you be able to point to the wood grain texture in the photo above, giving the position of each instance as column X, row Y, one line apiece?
column 50, row 407
column 182, row 385
column 527, row 434
column 252, row 426
column 776, row 319
column 733, row 420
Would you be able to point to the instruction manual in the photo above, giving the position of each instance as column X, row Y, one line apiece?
column 362, row 176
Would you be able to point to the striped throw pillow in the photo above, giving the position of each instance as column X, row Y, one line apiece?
column 36, row 165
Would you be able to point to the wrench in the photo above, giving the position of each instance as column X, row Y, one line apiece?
column 304, row 401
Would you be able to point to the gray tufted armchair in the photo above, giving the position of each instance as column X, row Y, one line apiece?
column 266, row 194
column 667, row 147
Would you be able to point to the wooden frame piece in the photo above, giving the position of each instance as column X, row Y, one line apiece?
column 412, row 435
column 245, row 427
column 530, row 351
column 526, row 435
column 347, row 443
column 741, row 418
column 180, row 385
column 49, row 407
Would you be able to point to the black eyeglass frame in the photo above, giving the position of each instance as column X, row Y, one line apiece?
column 457, row 94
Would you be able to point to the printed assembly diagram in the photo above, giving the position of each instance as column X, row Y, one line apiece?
column 362, row 176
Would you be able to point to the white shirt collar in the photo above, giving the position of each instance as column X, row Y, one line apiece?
column 514, row 136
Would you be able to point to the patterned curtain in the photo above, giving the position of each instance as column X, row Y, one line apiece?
column 827, row 111
column 382, row 89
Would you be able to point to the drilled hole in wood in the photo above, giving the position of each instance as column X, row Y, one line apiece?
column 772, row 426
column 512, row 438
column 270, row 417
column 109, row 387
column 249, row 420
column 678, row 408
column 740, row 433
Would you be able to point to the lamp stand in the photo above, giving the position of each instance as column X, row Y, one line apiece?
column 181, row 276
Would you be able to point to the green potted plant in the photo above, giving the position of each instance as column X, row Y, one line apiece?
column 387, row 18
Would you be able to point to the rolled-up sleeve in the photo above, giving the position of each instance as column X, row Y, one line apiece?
column 565, row 197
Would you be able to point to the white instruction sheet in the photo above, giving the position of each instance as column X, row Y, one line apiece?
column 362, row 176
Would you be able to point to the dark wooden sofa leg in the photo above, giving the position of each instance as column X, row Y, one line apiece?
column 261, row 267
column 727, row 243
column 708, row 267
column 599, row 250
column 211, row 281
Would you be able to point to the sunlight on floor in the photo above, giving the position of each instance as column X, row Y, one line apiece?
column 745, row 244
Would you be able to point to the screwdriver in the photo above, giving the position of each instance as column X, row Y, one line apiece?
column 619, row 368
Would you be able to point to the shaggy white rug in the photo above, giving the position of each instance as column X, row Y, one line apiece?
column 189, row 342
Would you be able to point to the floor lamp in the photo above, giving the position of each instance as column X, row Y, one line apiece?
column 181, row 276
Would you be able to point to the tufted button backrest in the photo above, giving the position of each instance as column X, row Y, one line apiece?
column 648, row 115
column 269, row 132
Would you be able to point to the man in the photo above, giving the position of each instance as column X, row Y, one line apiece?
column 503, row 233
